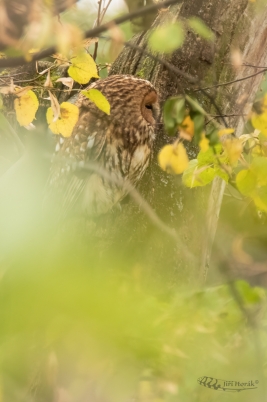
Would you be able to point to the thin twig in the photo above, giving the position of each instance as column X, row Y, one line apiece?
column 247, row 65
column 215, row 116
column 100, row 17
column 104, row 11
column 228, row 115
column 97, row 24
column 252, row 65
column 232, row 82
column 13, row 75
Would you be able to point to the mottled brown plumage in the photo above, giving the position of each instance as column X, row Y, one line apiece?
column 121, row 143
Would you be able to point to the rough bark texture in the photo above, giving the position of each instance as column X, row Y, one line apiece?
column 234, row 25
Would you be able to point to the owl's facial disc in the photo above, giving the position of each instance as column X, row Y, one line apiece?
column 150, row 108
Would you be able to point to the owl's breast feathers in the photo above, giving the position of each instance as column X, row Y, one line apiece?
column 119, row 143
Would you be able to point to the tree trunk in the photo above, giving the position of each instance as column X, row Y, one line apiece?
column 234, row 26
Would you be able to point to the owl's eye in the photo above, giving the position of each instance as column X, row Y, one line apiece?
column 149, row 107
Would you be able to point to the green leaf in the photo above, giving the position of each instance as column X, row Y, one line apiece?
column 221, row 173
column 199, row 121
column 212, row 136
column 196, row 176
column 246, row 181
column 99, row 99
column 195, row 106
column 201, row 28
column 173, row 114
column 206, row 176
column 166, row 38
column 249, row 295
column 259, row 168
column 209, row 157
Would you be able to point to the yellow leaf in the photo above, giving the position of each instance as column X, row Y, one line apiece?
column 225, row 131
column 26, row 107
column 99, row 99
column 259, row 121
column 83, row 68
column 233, row 148
column 187, row 128
column 173, row 158
column 204, row 143
column 64, row 125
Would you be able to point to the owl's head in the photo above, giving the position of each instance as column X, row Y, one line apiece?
column 133, row 101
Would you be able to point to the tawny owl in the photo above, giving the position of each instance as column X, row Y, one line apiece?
column 121, row 143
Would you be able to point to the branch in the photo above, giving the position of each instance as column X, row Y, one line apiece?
column 91, row 33
column 231, row 82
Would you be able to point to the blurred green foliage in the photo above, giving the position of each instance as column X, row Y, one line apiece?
column 167, row 38
column 93, row 328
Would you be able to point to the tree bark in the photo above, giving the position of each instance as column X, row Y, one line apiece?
column 235, row 25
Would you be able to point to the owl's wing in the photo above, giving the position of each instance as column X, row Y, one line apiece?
column 67, row 180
